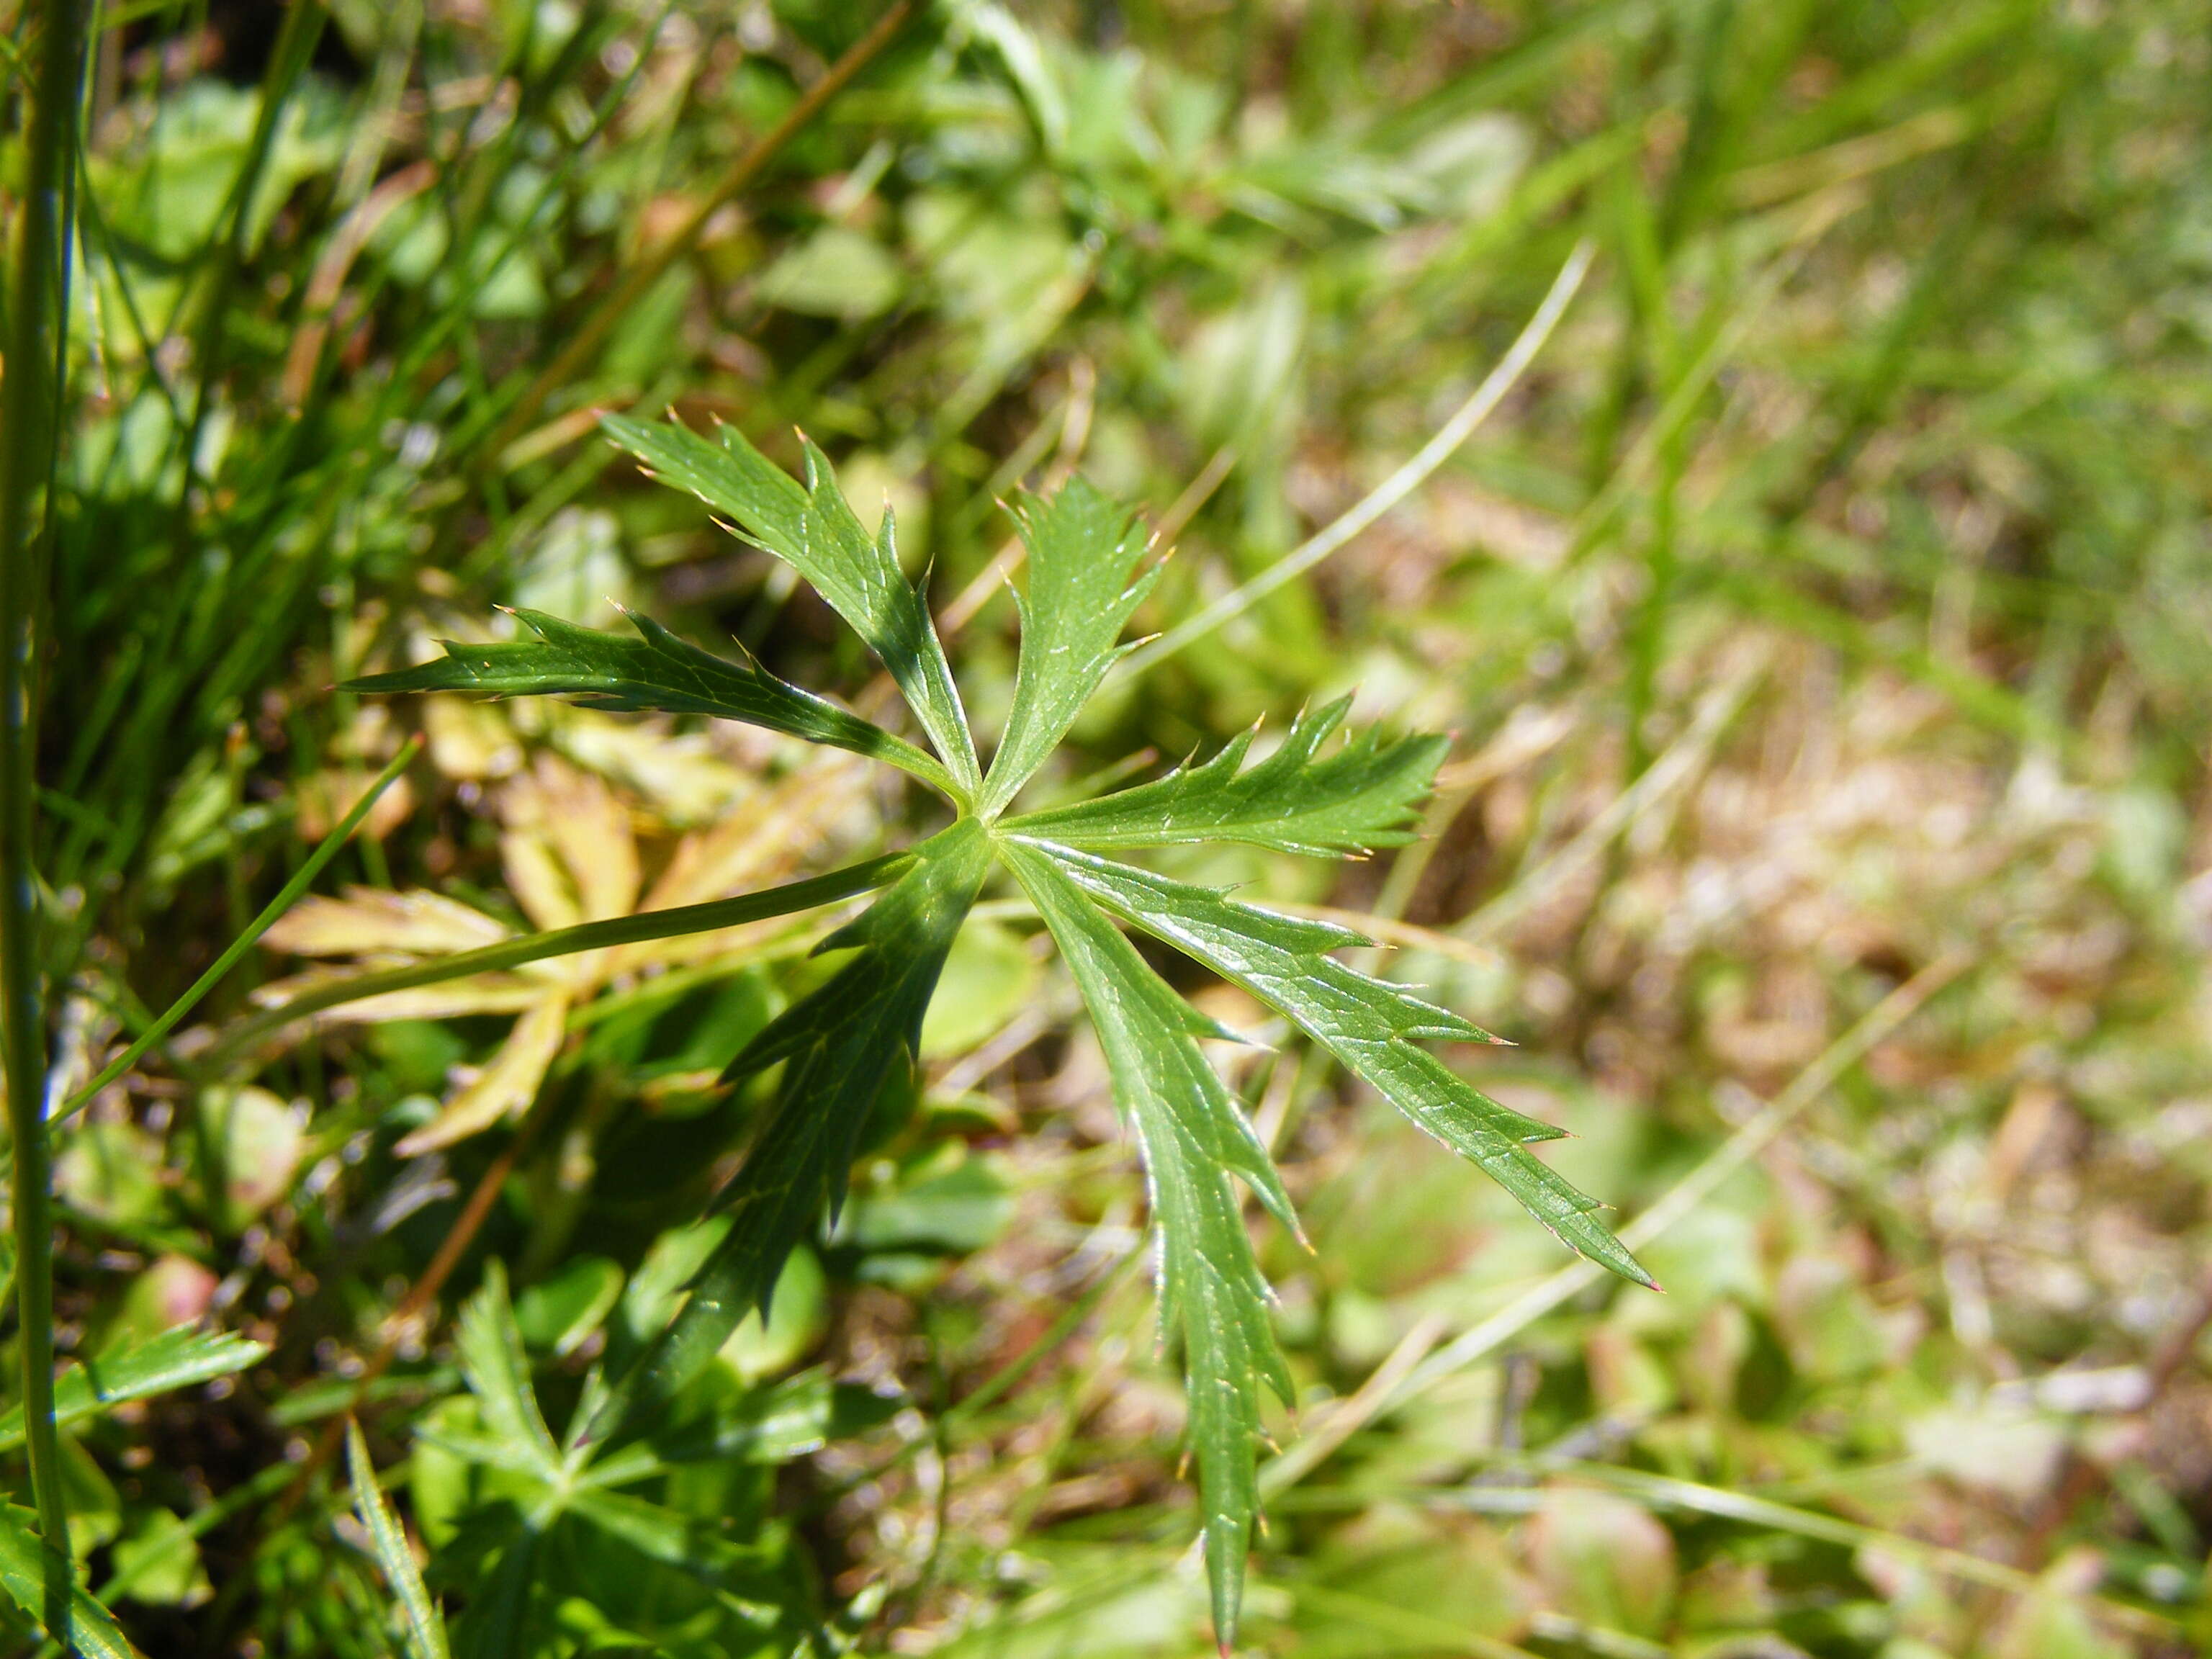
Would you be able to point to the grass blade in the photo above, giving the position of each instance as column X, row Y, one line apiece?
column 28, row 395
column 1393, row 489
column 271, row 914
column 426, row 1629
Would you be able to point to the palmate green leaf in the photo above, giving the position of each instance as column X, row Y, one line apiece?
column 840, row 1048
column 24, row 1563
column 426, row 1627
column 1193, row 1135
column 811, row 527
column 1359, row 798
column 843, row 1045
column 1368, row 1027
column 775, row 1424
column 488, row 1344
column 657, row 671
column 175, row 1359
column 1082, row 550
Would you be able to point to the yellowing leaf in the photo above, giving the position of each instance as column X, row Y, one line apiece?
column 331, row 793
column 469, row 739
column 579, row 817
column 480, row 994
column 684, row 777
column 508, row 1085
column 368, row 922
column 538, row 880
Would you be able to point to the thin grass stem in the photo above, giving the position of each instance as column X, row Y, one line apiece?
column 28, row 435
column 1393, row 489
column 286, row 897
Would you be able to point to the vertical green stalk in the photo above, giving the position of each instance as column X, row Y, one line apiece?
column 27, row 425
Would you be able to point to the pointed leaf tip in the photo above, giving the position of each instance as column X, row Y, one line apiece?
column 1361, row 796
column 1369, row 1026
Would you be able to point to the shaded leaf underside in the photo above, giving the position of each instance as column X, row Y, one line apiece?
column 841, row 1046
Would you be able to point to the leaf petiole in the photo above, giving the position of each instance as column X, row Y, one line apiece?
column 808, row 894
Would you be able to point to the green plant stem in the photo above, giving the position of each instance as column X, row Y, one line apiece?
column 261, row 924
column 783, row 901
column 27, row 435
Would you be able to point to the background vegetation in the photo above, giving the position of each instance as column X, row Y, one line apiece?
column 1823, row 619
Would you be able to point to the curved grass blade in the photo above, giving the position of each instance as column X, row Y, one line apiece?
column 656, row 671
column 810, row 528
column 841, row 1046
column 426, row 1628
column 1368, row 1027
column 1211, row 1295
column 1357, row 799
column 271, row 913
column 1082, row 549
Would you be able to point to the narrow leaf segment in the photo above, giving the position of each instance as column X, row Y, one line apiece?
column 177, row 1359
column 656, row 670
column 489, row 1345
column 27, row 1566
column 810, row 528
column 1082, row 551
column 1212, row 1297
column 1368, row 1026
column 841, row 1048
column 1359, row 798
